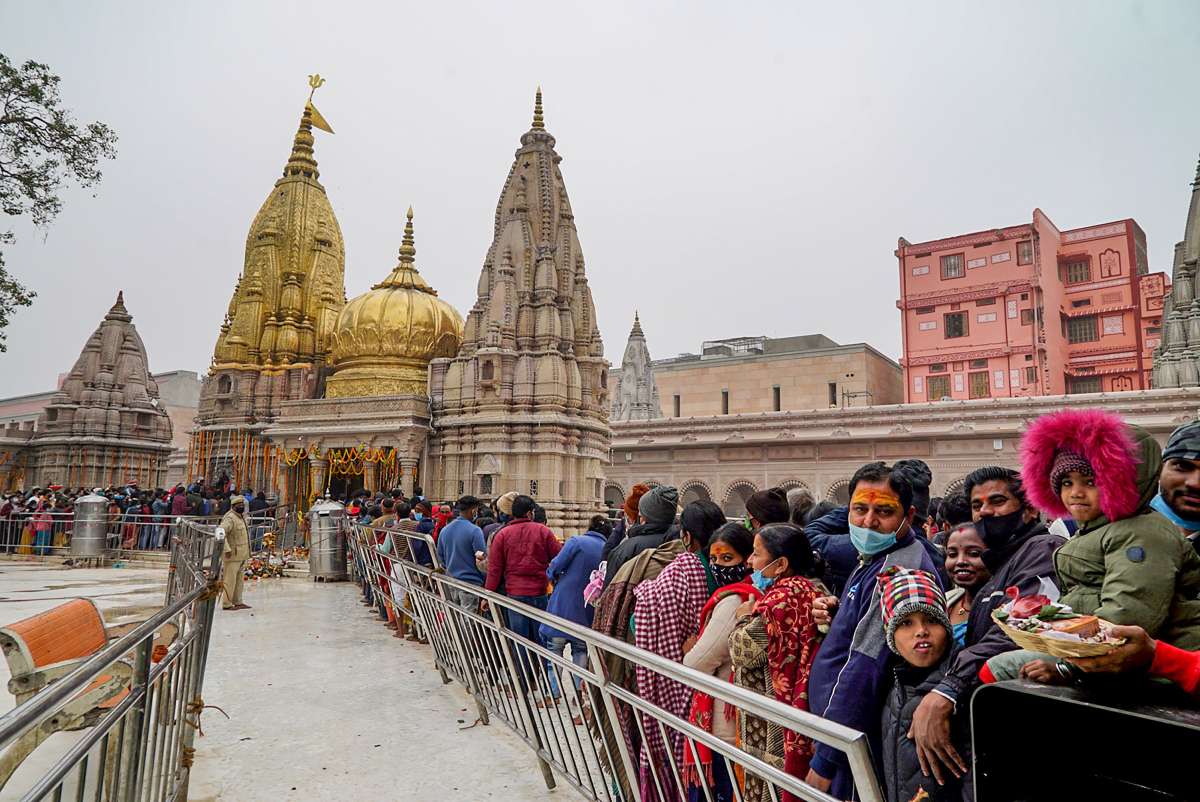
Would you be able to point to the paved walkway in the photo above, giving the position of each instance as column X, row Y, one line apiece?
column 323, row 702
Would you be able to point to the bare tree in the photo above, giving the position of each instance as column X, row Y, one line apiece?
column 41, row 148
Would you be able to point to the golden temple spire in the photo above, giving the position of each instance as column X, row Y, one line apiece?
column 405, row 273
column 538, row 123
column 302, row 161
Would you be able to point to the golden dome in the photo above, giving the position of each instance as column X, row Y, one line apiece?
column 384, row 340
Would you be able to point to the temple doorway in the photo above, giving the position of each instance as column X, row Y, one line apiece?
column 343, row 486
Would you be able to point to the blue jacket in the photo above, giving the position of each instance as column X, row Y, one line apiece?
column 849, row 679
column 418, row 548
column 456, row 546
column 829, row 535
column 570, row 571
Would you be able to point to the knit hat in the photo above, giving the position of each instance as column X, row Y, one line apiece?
column 769, row 506
column 504, row 503
column 904, row 591
column 632, row 500
column 659, row 505
column 1065, row 462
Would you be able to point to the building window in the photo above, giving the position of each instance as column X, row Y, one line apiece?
column 775, row 398
column 978, row 363
column 1153, row 331
column 1082, row 329
column 462, row 488
column 952, row 266
column 1026, row 317
column 485, row 485
column 1081, row 303
column 937, row 367
column 1083, row 384
column 924, row 310
column 833, row 394
column 986, row 302
column 1025, row 252
column 938, row 388
column 979, row 386
column 1077, row 271
column 1031, row 375
column 533, row 487
column 675, row 404
column 562, row 488
column 724, row 402
column 224, row 385
column 956, row 325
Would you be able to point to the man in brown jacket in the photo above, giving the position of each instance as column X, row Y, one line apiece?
column 237, row 551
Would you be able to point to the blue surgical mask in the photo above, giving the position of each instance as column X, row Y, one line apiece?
column 417, row 516
column 763, row 582
column 1159, row 504
column 869, row 542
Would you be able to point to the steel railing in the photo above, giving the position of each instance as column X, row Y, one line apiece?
column 581, row 722
column 140, row 750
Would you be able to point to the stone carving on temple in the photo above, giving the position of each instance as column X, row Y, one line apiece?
column 1177, row 360
column 105, row 425
column 635, row 393
column 527, row 393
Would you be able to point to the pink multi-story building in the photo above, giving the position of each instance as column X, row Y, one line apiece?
column 1029, row 310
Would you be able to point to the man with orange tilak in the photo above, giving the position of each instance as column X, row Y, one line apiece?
column 849, row 683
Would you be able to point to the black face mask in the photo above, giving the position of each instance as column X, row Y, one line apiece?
column 729, row 574
column 997, row 530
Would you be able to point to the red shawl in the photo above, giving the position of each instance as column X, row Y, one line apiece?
column 701, row 713
column 792, row 641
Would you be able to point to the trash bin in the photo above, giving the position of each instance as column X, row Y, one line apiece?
column 327, row 554
column 90, row 530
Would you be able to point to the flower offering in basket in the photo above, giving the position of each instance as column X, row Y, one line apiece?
column 1041, row 624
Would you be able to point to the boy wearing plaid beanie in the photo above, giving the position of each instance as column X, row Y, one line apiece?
column 918, row 631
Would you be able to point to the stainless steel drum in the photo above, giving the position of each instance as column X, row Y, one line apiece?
column 91, row 526
column 327, row 539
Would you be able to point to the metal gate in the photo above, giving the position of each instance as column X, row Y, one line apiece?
column 142, row 748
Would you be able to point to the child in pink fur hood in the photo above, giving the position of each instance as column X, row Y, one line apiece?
column 1126, row 563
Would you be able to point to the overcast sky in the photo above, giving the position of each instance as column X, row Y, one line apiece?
column 735, row 168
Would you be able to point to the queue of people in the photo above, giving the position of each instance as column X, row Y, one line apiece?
column 876, row 614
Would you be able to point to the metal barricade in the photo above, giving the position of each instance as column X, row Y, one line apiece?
column 141, row 750
column 578, row 720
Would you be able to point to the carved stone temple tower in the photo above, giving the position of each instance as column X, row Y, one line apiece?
column 635, row 393
column 274, row 343
column 105, row 425
column 524, row 404
column 1177, row 361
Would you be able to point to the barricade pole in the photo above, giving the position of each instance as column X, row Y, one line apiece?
column 611, row 736
column 135, row 725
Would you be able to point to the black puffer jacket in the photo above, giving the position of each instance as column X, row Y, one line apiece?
column 902, row 778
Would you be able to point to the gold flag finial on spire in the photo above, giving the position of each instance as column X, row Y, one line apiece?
column 315, row 82
column 538, row 123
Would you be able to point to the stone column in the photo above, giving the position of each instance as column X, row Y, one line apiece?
column 318, row 469
column 408, row 471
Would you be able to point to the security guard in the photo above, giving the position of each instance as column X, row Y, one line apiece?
column 237, row 551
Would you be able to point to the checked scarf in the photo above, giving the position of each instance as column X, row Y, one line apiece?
column 666, row 614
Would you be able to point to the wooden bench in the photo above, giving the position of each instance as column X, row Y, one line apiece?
column 46, row 647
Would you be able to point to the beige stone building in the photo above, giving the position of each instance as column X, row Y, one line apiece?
column 727, row 457
column 747, row 375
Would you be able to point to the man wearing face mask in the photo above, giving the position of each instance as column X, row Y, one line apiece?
column 1179, row 483
column 848, row 683
column 1019, row 551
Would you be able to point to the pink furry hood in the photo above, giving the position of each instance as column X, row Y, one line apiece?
column 1114, row 449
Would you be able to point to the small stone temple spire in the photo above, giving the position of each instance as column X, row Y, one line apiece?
column 538, row 122
column 635, row 394
column 1177, row 360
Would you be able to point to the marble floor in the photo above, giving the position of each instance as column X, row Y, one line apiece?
column 323, row 703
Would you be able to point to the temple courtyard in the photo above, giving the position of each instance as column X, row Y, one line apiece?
column 323, row 702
